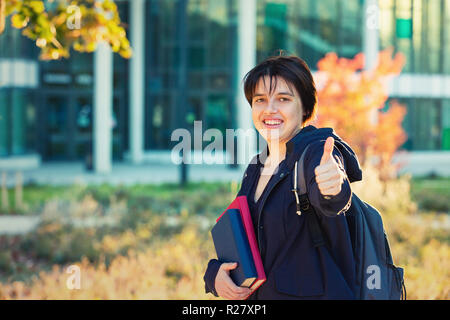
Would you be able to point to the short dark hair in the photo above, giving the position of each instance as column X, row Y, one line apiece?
column 294, row 71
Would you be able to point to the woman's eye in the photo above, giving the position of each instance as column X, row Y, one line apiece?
column 259, row 100
column 284, row 99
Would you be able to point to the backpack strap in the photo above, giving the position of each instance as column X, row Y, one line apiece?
column 303, row 204
column 301, row 199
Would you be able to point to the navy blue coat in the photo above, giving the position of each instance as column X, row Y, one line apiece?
column 295, row 269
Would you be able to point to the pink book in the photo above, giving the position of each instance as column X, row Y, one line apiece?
column 241, row 204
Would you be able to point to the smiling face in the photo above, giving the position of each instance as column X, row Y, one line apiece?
column 277, row 113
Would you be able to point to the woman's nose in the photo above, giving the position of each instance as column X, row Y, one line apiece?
column 271, row 107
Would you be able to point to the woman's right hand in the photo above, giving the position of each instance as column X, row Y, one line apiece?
column 225, row 287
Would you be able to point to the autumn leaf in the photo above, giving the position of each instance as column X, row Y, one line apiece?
column 19, row 21
column 52, row 25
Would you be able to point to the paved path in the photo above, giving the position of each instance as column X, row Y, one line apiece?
column 11, row 225
column 126, row 174
column 123, row 173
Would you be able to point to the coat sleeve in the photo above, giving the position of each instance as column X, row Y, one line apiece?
column 210, row 276
column 330, row 206
column 214, row 264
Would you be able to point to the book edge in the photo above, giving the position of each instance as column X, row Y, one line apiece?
column 248, row 225
column 244, row 240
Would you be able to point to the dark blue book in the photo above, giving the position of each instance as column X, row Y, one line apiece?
column 231, row 243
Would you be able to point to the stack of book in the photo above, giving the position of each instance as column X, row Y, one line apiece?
column 235, row 241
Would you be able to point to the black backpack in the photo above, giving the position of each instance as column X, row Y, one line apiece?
column 376, row 275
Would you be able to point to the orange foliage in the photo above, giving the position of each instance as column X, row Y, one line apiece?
column 350, row 101
column 386, row 144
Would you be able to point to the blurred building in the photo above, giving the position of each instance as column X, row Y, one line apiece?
column 188, row 63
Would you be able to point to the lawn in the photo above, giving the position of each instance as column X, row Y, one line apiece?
column 163, row 196
column 153, row 241
column 432, row 194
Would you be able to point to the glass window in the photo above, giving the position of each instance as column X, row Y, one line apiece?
column 219, row 45
column 4, row 122
column 218, row 11
column 387, row 19
column 18, row 121
column 350, row 39
column 219, row 34
column 210, row 44
column 6, row 39
column 218, row 113
column 84, row 112
column 61, row 65
column 195, row 79
column 195, row 108
column 170, row 79
column 152, row 34
column 161, row 34
column 219, row 81
column 57, row 124
column 197, row 20
column 416, row 28
column 31, row 122
column 15, row 45
column 272, row 27
column 445, row 124
column 403, row 30
column 118, row 129
column 83, row 126
column 327, row 14
column 196, row 57
column 419, row 32
column 275, row 18
column 434, row 35
column 57, row 114
column 446, row 38
column 309, row 28
column 158, row 122
column 424, row 124
column 82, row 62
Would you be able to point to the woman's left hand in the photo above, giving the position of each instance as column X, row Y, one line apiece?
column 329, row 175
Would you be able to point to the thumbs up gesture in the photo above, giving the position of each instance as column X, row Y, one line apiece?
column 329, row 176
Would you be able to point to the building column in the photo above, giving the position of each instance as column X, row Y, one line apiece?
column 137, row 66
column 246, row 145
column 371, row 40
column 103, row 103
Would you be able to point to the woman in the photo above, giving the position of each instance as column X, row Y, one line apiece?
column 282, row 95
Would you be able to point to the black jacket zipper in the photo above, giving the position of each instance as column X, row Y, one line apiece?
column 266, row 195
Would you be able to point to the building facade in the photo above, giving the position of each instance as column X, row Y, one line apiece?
column 188, row 63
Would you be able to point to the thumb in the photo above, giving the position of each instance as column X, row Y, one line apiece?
column 229, row 266
column 327, row 150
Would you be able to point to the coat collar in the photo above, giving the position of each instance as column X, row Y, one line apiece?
column 293, row 149
column 293, row 146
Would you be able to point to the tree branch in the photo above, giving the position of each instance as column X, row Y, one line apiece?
column 2, row 15
column 55, row 32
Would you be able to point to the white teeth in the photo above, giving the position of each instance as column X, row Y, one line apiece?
column 272, row 122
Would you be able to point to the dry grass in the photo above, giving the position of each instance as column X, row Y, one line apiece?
column 172, row 267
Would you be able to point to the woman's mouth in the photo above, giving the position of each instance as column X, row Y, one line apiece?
column 272, row 123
